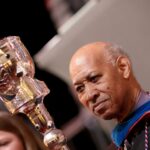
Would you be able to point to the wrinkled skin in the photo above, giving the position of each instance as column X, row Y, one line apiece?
column 106, row 90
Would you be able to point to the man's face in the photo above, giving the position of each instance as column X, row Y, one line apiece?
column 99, row 85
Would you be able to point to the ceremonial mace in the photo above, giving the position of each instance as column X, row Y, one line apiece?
column 20, row 92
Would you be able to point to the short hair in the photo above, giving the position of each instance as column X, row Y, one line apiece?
column 114, row 51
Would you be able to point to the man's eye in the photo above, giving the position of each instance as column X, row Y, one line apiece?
column 80, row 89
column 94, row 79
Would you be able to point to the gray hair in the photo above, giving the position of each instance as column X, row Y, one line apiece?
column 114, row 51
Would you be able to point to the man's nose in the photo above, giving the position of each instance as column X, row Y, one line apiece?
column 92, row 93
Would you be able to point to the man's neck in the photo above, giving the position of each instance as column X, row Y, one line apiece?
column 131, row 98
column 142, row 99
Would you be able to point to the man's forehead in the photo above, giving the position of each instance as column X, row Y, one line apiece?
column 79, row 76
column 91, row 54
column 83, row 71
column 81, row 60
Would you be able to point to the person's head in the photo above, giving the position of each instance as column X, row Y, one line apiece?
column 16, row 135
column 102, row 75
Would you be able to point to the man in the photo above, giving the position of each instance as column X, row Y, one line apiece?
column 103, row 78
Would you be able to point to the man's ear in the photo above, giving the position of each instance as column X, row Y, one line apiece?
column 124, row 66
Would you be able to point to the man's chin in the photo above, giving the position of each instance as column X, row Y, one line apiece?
column 106, row 116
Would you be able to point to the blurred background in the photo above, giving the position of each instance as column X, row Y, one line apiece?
column 53, row 29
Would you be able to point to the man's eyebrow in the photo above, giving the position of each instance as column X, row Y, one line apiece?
column 86, row 77
column 77, row 83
